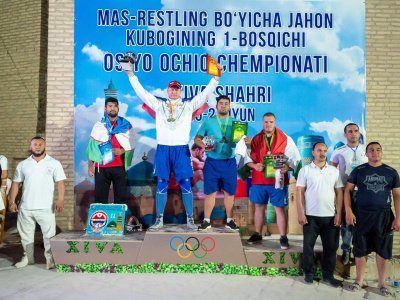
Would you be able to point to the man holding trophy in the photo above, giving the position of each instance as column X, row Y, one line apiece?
column 220, row 170
column 273, row 153
column 173, row 123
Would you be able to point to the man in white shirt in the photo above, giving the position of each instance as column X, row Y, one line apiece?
column 173, row 123
column 319, row 190
column 38, row 173
column 346, row 158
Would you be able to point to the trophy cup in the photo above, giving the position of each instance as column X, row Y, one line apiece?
column 209, row 141
column 128, row 60
column 239, row 129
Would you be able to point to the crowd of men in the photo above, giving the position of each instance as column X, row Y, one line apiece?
column 353, row 192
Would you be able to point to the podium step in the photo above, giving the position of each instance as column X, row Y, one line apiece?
column 175, row 245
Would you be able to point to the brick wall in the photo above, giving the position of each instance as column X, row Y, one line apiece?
column 60, row 98
column 22, row 90
column 383, row 75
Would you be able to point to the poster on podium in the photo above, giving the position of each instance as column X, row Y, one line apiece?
column 106, row 219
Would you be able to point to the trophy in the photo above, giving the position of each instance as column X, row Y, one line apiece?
column 128, row 60
column 209, row 141
column 239, row 129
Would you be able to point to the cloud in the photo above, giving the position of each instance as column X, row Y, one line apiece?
column 333, row 128
column 144, row 145
column 130, row 97
column 95, row 54
column 86, row 116
column 81, row 172
column 342, row 44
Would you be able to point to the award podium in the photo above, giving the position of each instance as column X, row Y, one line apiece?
column 219, row 248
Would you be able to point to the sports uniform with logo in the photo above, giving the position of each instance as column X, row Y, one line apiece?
column 173, row 124
column 347, row 158
column 373, row 212
column 37, row 203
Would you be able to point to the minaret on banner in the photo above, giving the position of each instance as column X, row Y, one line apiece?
column 111, row 91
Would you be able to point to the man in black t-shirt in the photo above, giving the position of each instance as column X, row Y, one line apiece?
column 372, row 216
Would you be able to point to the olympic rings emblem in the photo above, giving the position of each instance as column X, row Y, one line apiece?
column 185, row 248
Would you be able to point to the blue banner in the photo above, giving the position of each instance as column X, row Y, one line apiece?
column 302, row 60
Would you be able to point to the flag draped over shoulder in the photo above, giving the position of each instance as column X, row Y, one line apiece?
column 102, row 132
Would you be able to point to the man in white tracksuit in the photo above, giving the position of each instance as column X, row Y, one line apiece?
column 173, row 123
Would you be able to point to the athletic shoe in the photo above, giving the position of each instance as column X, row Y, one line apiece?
column 284, row 242
column 345, row 257
column 255, row 238
column 23, row 263
column 232, row 225
column 190, row 224
column 158, row 224
column 332, row 282
column 204, row 226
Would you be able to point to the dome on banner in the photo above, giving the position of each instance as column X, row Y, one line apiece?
column 140, row 178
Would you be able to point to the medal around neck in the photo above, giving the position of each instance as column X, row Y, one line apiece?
column 127, row 62
column 171, row 119
column 223, row 140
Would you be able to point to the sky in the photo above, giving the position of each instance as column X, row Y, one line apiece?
column 305, row 104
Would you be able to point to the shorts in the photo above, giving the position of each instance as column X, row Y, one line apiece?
column 260, row 193
column 373, row 232
column 174, row 159
column 220, row 174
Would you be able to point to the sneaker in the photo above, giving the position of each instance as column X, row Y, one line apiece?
column 255, row 238
column 345, row 257
column 23, row 263
column 309, row 279
column 284, row 242
column 331, row 281
column 159, row 223
column 232, row 225
column 50, row 264
column 204, row 226
column 190, row 224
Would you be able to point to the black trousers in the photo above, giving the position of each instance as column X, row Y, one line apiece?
column 102, row 181
column 324, row 227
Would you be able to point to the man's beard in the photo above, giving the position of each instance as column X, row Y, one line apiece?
column 112, row 114
column 38, row 154
column 223, row 113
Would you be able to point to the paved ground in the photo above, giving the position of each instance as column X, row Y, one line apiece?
column 35, row 282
